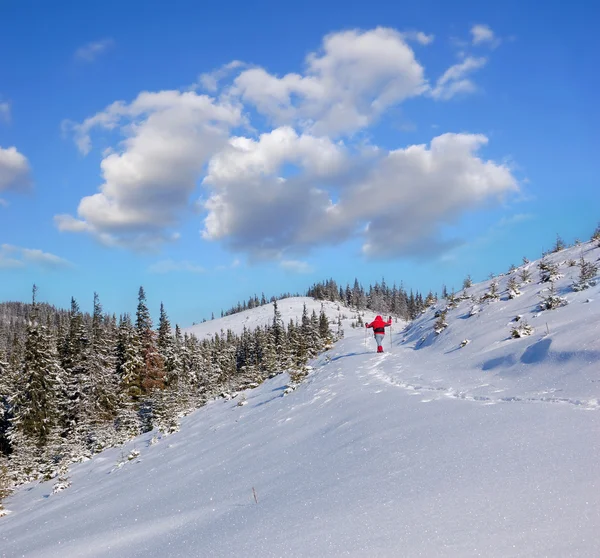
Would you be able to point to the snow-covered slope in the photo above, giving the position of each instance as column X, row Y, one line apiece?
column 289, row 308
column 428, row 450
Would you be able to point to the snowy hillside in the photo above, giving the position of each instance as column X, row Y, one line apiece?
column 431, row 449
column 290, row 309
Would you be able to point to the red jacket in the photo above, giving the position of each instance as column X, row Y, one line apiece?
column 379, row 325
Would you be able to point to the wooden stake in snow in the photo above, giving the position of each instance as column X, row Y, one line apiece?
column 255, row 496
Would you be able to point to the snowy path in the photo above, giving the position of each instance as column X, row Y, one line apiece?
column 392, row 374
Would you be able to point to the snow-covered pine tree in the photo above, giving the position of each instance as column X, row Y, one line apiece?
column 548, row 271
column 441, row 324
column 587, row 274
column 513, row 288
column 525, row 275
column 552, row 300
column 324, row 329
column 129, row 360
column 6, row 389
column 72, row 400
column 34, row 400
column 559, row 245
column 153, row 368
column 101, row 385
column 492, row 294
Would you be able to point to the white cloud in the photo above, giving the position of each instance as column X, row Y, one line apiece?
column 402, row 197
column 296, row 266
column 167, row 266
column 17, row 257
column 253, row 204
column 3, row 203
column 14, row 170
column 419, row 37
column 282, row 192
column 91, row 51
column 454, row 80
column 210, row 81
column 483, row 34
column 345, row 87
column 4, row 112
column 149, row 180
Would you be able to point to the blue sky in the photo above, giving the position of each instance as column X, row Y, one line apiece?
column 212, row 152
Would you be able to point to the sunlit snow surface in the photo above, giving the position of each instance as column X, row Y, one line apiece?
column 428, row 450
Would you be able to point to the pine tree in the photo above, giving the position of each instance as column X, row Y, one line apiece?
column 101, row 383
column 278, row 331
column 513, row 288
column 153, row 369
column 587, row 274
column 129, row 362
column 324, row 330
column 6, row 389
column 35, row 398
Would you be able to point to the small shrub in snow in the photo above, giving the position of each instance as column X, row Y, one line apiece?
column 559, row 244
column 475, row 309
column 298, row 375
column 452, row 301
column 440, row 324
column 513, row 288
column 525, row 275
column 596, row 234
column 492, row 295
column 430, row 300
column 468, row 282
column 525, row 260
column 551, row 301
column 571, row 263
column 587, row 274
column 133, row 454
column 548, row 271
column 464, row 342
column 512, row 268
column 63, row 480
column 521, row 330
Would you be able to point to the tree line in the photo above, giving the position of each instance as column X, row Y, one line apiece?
column 73, row 383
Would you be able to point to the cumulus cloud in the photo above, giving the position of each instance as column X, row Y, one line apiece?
column 254, row 203
column 307, row 180
column 455, row 81
column 149, row 179
column 396, row 203
column 17, row 257
column 483, row 34
column 15, row 173
column 346, row 86
column 168, row 266
column 91, row 51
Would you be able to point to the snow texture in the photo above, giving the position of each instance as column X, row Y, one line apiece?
column 435, row 448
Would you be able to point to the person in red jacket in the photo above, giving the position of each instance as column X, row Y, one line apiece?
column 379, row 326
